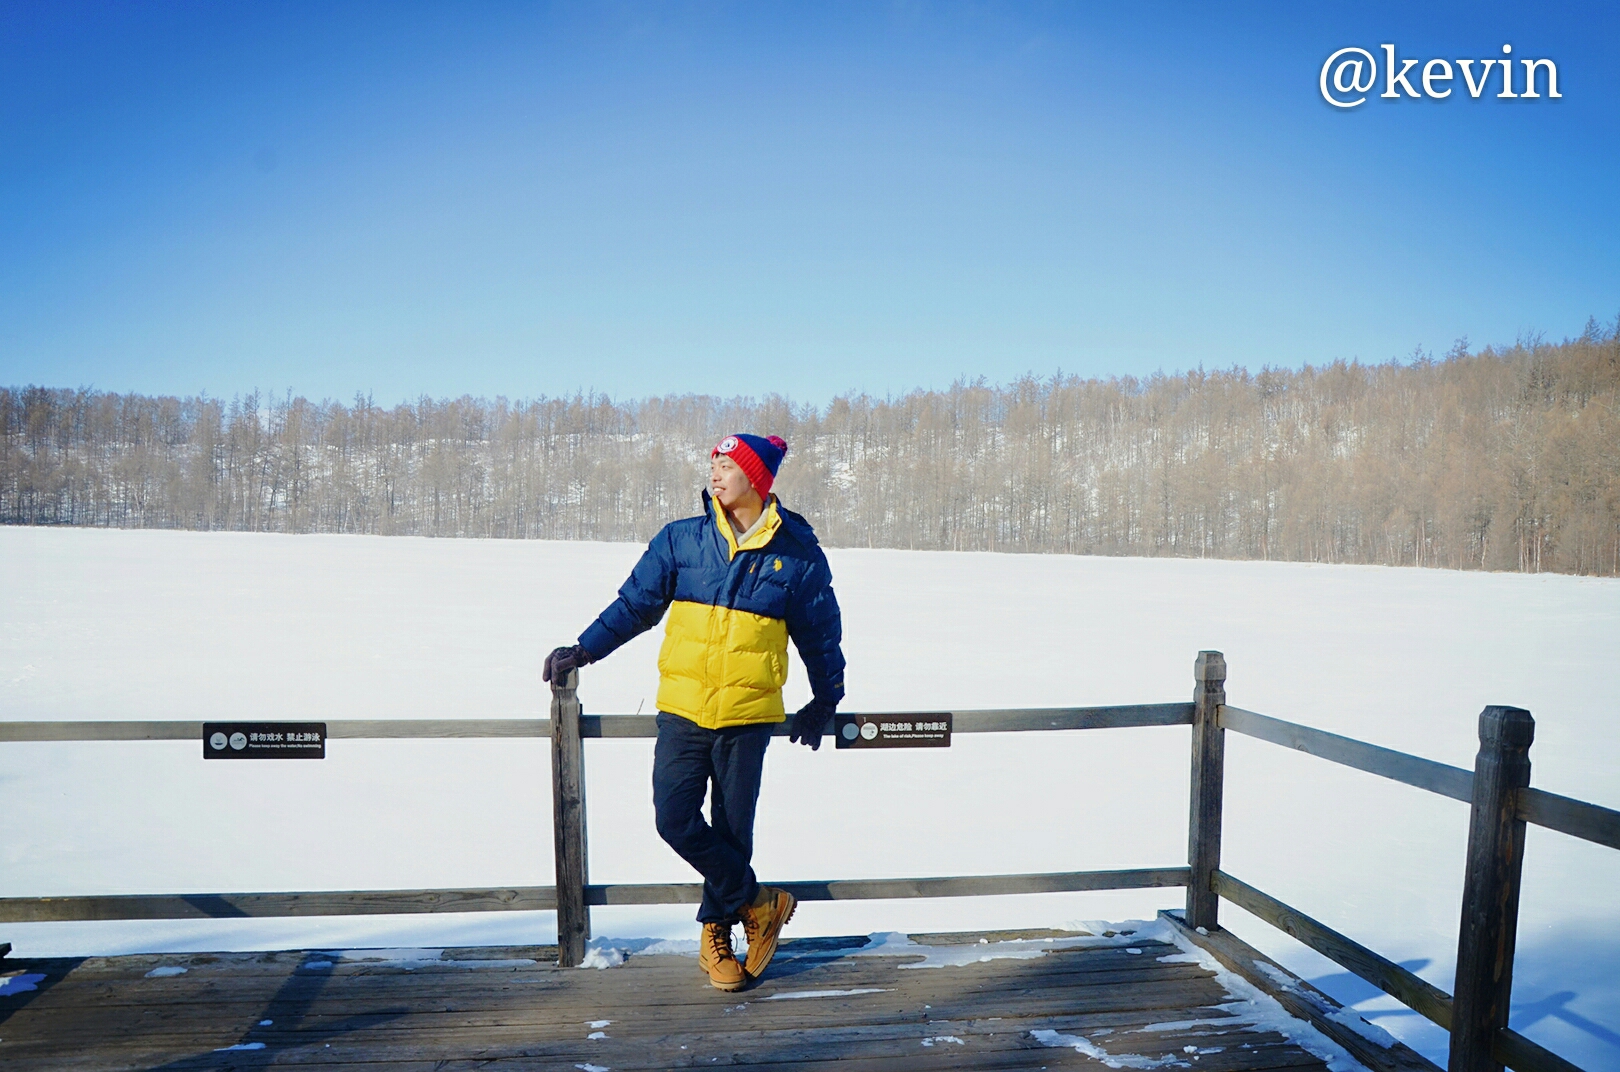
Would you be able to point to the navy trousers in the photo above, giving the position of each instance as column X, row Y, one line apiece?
column 726, row 763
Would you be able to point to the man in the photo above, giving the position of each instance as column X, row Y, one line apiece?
column 738, row 582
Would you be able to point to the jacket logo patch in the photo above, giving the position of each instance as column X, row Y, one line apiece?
column 779, row 564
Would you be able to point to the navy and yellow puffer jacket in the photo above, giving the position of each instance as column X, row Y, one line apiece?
column 732, row 609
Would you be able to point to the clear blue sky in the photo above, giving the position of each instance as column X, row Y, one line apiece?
column 745, row 198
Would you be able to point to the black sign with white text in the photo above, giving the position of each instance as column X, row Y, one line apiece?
column 264, row 740
column 927, row 730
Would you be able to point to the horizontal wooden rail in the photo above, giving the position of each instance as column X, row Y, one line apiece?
column 1006, row 720
column 1417, row 994
column 1577, row 818
column 1011, row 720
column 1123, row 716
column 886, row 888
column 544, row 898
column 1522, row 1055
column 349, row 729
column 1511, row 1048
column 1453, row 782
column 263, row 905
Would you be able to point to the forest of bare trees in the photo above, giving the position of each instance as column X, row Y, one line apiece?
column 1506, row 459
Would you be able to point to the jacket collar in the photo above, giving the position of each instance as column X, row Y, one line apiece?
column 764, row 532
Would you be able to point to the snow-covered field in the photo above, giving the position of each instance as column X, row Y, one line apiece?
column 162, row 625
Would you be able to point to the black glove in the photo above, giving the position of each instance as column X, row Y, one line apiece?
column 562, row 660
column 810, row 723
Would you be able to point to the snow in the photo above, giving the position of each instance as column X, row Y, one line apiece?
column 680, row 947
column 241, row 1046
column 797, row 995
column 896, row 944
column 173, row 625
column 1081, row 1044
column 1249, row 1005
column 1345, row 1017
column 1371, row 1032
column 1281, row 978
column 611, row 952
column 165, row 971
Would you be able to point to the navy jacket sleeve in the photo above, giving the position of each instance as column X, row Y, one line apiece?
column 817, row 630
column 643, row 598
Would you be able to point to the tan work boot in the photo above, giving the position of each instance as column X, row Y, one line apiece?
column 716, row 958
column 762, row 923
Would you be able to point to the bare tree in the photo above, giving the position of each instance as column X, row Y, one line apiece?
column 1502, row 459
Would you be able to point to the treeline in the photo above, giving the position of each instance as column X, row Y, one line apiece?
column 1502, row 459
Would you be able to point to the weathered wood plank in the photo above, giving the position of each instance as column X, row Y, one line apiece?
column 1448, row 781
column 544, row 898
column 355, row 987
column 1488, row 931
column 990, row 720
column 451, row 728
column 101, row 731
column 999, row 720
column 535, row 1017
column 677, row 992
column 872, row 889
column 206, row 906
column 568, row 821
column 812, row 1034
column 1123, row 716
column 245, row 905
column 902, row 1051
column 734, row 1053
column 1207, row 790
column 1417, row 994
column 1301, row 999
column 1577, row 818
column 663, row 1013
column 353, row 729
column 1522, row 1055
column 653, row 981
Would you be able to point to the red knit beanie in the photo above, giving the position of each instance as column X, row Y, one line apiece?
column 757, row 457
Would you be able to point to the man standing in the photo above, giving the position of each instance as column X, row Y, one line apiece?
column 738, row 582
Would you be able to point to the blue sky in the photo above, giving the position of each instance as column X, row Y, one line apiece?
column 746, row 198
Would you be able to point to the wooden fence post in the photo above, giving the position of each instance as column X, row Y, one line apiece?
column 1490, row 910
column 1208, row 779
column 568, row 820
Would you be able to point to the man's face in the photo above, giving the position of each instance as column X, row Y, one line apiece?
column 729, row 484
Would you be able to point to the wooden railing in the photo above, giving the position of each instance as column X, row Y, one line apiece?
column 1476, row 1013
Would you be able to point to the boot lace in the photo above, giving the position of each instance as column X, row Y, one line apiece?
column 719, row 939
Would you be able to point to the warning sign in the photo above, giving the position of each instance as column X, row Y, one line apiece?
column 264, row 740
column 927, row 730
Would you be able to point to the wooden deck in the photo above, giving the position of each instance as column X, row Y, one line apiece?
column 512, row 1008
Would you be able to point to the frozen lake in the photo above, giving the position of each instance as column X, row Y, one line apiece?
column 174, row 625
